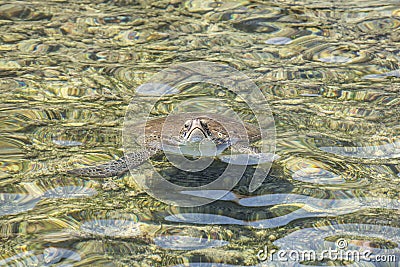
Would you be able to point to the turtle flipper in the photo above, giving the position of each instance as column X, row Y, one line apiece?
column 115, row 167
column 109, row 169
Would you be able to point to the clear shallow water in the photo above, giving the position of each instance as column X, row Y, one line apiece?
column 68, row 72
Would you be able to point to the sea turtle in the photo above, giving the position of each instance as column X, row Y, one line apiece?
column 182, row 128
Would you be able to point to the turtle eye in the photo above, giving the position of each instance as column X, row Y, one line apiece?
column 187, row 124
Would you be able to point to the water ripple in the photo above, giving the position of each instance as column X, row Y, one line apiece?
column 248, row 159
column 386, row 151
column 336, row 53
column 393, row 73
column 113, row 228
column 50, row 256
column 108, row 20
column 306, row 207
column 156, row 89
column 205, row 264
column 213, row 194
column 380, row 25
column 21, row 11
column 11, row 203
column 279, row 41
column 16, row 203
column 203, row 218
column 317, row 176
column 187, row 242
column 262, row 25
column 70, row 192
column 200, row 6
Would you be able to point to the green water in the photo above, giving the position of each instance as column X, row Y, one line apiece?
column 69, row 69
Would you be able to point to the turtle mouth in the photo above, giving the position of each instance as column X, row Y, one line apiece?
column 196, row 135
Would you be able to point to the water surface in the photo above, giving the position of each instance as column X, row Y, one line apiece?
column 68, row 71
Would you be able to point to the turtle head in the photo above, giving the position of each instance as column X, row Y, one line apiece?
column 199, row 129
column 195, row 130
